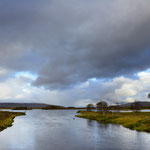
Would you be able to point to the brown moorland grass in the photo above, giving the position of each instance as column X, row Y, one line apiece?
column 7, row 118
column 139, row 121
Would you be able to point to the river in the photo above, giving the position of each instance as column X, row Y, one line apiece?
column 60, row 130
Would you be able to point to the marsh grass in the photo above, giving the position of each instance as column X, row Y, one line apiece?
column 139, row 121
column 7, row 118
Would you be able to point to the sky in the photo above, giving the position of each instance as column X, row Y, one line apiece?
column 74, row 52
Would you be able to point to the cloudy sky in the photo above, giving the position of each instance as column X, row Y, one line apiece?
column 74, row 52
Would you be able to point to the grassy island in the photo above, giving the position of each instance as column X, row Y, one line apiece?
column 49, row 107
column 22, row 108
column 139, row 121
column 7, row 118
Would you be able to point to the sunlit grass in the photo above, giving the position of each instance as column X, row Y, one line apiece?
column 139, row 121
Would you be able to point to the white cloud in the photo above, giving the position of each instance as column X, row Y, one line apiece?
column 130, row 100
column 19, row 89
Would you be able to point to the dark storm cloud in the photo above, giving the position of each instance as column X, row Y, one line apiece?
column 69, row 41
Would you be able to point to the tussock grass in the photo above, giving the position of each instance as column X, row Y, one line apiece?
column 7, row 118
column 139, row 121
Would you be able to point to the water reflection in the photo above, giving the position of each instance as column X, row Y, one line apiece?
column 90, row 123
column 57, row 130
column 105, row 126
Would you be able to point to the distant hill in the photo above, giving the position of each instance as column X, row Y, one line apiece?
column 142, row 103
column 28, row 105
column 20, row 106
column 60, row 107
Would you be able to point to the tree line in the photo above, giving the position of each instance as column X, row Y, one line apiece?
column 103, row 107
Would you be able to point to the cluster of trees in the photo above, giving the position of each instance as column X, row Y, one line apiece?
column 148, row 95
column 101, row 106
column 89, row 107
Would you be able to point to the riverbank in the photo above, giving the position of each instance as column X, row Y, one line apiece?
column 7, row 118
column 139, row 121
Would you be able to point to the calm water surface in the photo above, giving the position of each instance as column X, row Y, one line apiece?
column 57, row 130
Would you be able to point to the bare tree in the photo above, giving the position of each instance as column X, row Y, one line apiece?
column 102, row 106
column 89, row 107
column 148, row 95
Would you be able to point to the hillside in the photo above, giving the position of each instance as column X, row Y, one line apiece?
column 19, row 106
column 144, row 104
column 28, row 105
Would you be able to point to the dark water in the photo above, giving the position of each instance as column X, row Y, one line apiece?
column 57, row 130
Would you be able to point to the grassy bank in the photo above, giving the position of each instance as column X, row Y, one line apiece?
column 7, row 118
column 136, row 121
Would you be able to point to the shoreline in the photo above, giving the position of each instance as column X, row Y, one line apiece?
column 139, row 121
column 7, row 118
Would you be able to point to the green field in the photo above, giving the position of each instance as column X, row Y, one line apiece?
column 7, row 118
column 139, row 121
